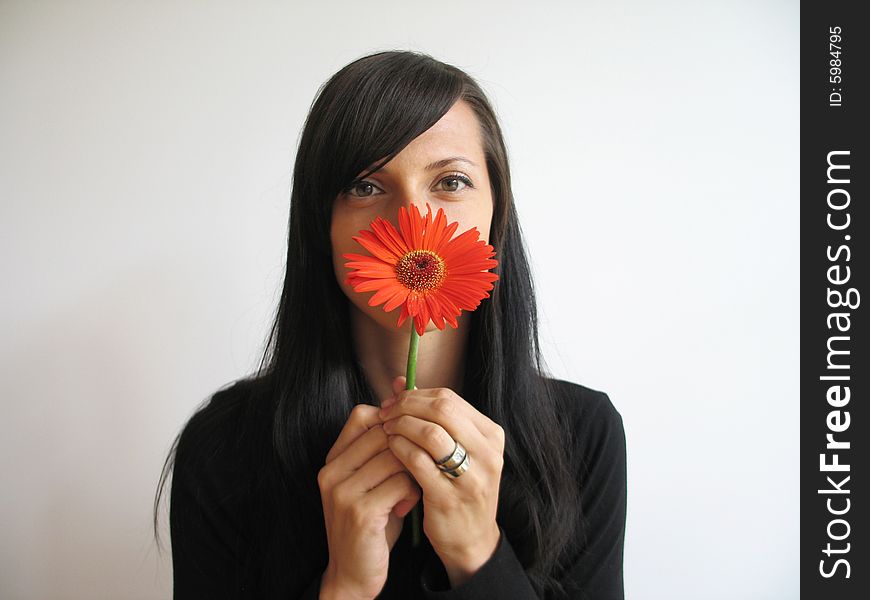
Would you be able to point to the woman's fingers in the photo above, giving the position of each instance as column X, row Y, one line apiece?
column 374, row 472
column 362, row 418
column 399, row 384
column 398, row 491
column 355, row 456
column 432, row 437
column 434, row 419
column 375, row 490
column 440, row 405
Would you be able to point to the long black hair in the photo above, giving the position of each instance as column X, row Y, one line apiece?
column 364, row 115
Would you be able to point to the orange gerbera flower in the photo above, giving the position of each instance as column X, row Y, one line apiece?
column 421, row 269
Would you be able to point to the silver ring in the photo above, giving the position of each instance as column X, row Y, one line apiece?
column 454, row 459
column 462, row 468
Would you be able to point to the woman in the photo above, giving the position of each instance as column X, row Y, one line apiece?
column 293, row 484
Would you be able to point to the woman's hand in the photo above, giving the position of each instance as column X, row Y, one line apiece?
column 460, row 516
column 366, row 493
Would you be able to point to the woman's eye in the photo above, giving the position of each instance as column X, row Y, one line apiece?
column 363, row 189
column 366, row 189
column 451, row 183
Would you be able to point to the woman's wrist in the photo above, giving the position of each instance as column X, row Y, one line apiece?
column 331, row 588
column 461, row 570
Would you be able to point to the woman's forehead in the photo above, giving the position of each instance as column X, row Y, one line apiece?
column 453, row 139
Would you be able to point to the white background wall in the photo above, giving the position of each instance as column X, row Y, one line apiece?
column 145, row 161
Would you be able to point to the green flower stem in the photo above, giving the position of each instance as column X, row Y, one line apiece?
column 410, row 376
column 411, row 373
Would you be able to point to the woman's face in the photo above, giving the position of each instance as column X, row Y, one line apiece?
column 418, row 174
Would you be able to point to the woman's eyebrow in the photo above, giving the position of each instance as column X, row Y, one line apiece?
column 438, row 164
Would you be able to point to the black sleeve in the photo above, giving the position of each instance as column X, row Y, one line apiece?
column 502, row 577
column 207, row 515
column 596, row 572
column 312, row 592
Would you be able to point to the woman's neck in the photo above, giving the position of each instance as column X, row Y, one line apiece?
column 383, row 354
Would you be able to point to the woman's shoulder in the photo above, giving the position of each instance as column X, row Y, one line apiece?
column 221, row 412
column 594, row 422
column 584, row 403
column 218, row 440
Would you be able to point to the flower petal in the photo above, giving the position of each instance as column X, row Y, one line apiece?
column 363, row 258
column 437, row 230
column 398, row 298
column 403, row 315
column 472, row 256
column 480, row 280
column 420, row 325
column 434, row 311
column 367, row 285
column 423, row 317
column 449, row 309
column 470, row 268
column 413, row 304
column 455, row 247
column 416, row 227
column 367, row 266
column 383, row 294
column 428, row 229
column 374, row 275
column 461, row 299
column 405, row 227
column 370, row 242
column 389, row 236
column 445, row 236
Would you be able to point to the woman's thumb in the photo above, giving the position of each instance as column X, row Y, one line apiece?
column 400, row 383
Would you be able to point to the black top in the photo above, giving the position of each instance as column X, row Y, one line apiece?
column 218, row 504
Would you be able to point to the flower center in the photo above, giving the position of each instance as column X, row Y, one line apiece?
column 421, row 270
